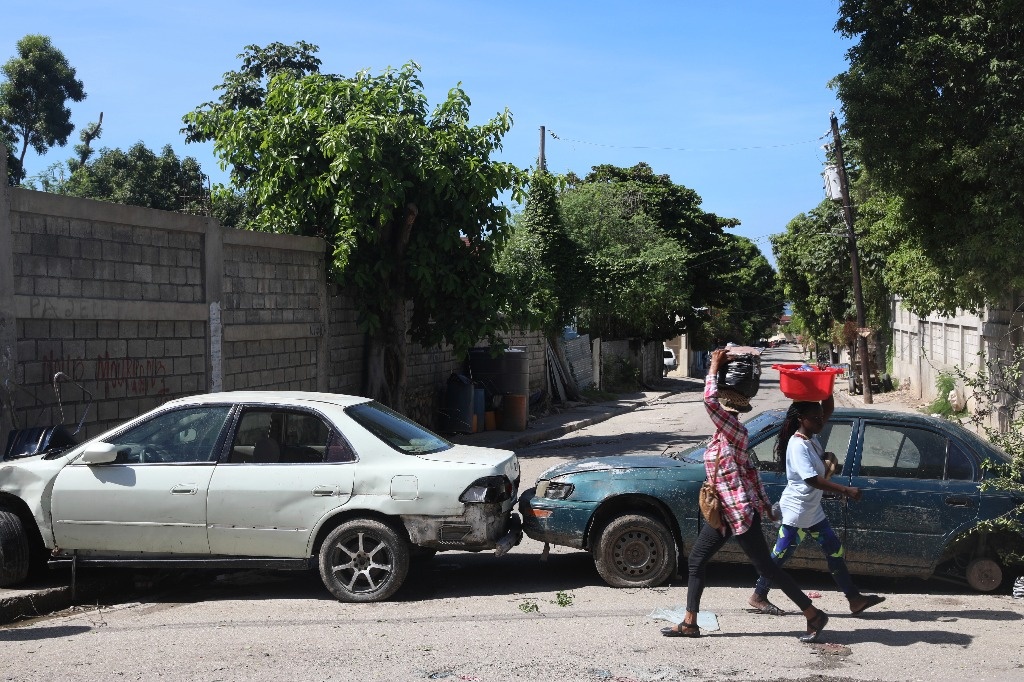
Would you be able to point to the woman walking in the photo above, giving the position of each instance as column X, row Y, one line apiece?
column 807, row 474
column 743, row 502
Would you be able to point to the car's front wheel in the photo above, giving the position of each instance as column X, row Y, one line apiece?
column 364, row 560
column 635, row 550
column 15, row 557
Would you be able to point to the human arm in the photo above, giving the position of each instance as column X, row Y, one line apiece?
column 726, row 422
column 828, row 406
column 822, row 483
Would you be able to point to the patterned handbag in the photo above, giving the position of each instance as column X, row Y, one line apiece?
column 709, row 501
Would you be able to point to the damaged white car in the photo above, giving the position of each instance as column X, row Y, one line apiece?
column 260, row 479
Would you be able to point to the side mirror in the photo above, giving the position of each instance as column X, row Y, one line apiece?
column 99, row 453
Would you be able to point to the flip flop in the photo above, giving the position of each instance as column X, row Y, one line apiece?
column 684, row 630
column 869, row 601
column 814, row 627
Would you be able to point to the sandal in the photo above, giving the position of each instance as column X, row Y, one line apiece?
column 768, row 608
column 683, row 630
column 814, row 627
column 869, row 601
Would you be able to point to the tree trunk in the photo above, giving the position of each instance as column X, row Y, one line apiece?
column 386, row 354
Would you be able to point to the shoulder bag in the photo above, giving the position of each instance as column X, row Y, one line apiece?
column 709, row 501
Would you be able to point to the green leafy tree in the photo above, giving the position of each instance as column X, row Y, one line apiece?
column 406, row 199
column 138, row 177
column 751, row 301
column 33, row 99
column 15, row 171
column 647, row 241
column 814, row 269
column 544, row 269
column 933, row 96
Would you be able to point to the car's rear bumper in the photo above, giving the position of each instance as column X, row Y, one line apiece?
column 482, row 526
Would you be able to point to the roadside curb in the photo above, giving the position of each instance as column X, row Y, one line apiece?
column 33, row 603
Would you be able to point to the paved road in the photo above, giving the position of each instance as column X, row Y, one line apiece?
column 477, row 617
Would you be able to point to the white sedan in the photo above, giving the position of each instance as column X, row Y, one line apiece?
column 268, row 479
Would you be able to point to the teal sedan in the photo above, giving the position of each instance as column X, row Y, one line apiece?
column 921, row 477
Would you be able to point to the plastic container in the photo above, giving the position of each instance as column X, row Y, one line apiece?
column 458, row 410
column 514, row 412
column 813, row 385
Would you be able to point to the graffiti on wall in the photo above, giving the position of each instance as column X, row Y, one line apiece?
column 145, row 376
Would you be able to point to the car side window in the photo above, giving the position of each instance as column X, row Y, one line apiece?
column 835, row 438
column 174, row 437
column 959, row 464
column 278, row 436
column 763, row 453
column 902, row 452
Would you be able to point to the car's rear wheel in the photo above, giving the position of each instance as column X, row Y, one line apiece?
column 364, row 560
column 15, row 555
column 984, row 574
column 635, row 550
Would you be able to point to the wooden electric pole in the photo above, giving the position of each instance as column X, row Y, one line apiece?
column 858, row 296
column 541, row 160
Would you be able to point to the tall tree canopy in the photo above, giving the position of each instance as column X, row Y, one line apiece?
column 659, row 261
column 138, row 177
column 406, row 198
column 934, row 96
column 33, row 99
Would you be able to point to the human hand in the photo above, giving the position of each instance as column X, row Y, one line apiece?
column 771, row 514
column 854, row 493
column 718, row 356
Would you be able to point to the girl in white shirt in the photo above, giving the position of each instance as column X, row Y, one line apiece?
column 802, row 513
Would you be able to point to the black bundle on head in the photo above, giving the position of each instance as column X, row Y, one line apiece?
column 790, row 424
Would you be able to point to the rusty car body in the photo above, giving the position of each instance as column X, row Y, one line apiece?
column 920, row 513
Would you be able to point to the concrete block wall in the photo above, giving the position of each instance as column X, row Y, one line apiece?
column 273, row 311
column 110, row 295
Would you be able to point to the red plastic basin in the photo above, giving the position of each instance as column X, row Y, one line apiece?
column 815, row 384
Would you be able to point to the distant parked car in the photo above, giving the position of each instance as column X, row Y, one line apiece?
column 261, row 479
column 670, row 361
column 922, row 501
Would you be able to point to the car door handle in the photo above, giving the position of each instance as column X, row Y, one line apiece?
column 958, row 501
column 325, row 491
column 185, row 489
column 832, row 496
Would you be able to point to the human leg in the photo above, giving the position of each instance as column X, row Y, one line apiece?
column 789, row 539
column 832, row 546
column 753, row 545
column 708, row 542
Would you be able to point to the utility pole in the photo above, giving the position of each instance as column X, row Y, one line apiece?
column 541, row 161
column 858, row 296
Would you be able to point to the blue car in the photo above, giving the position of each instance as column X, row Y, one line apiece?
column 919, row 515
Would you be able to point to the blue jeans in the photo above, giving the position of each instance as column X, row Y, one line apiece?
column 790, row 538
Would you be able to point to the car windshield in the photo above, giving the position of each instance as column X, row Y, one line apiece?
column 399, row 432
column 756, row 425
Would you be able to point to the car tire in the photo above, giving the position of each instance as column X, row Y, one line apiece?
column 15, row 556
column 363, row 560
column 635, row 550
column 984, row 575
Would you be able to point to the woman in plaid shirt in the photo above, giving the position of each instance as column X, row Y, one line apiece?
column 744, row 501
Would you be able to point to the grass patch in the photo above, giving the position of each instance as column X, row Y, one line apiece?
column 944, row 383
column 596, row 395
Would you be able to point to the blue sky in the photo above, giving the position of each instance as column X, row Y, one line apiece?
column 728, row 98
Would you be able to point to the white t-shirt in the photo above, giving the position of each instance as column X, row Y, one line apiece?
column 800, row 503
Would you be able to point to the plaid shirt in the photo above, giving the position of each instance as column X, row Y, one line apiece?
column 738, row 483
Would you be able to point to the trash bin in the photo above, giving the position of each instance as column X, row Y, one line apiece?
column 459, row 396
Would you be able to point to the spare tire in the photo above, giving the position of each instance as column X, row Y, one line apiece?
column 14, row 549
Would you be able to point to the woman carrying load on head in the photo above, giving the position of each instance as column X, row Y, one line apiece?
column 808, row 468
column 743, row 502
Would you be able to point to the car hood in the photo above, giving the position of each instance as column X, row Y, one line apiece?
column 680, row 467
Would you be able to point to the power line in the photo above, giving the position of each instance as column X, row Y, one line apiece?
column 679, row 149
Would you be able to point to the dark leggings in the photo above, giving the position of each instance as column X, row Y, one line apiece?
column 790, row 538
column 753, row 545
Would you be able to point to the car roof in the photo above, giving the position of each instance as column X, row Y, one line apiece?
column 272, row 398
